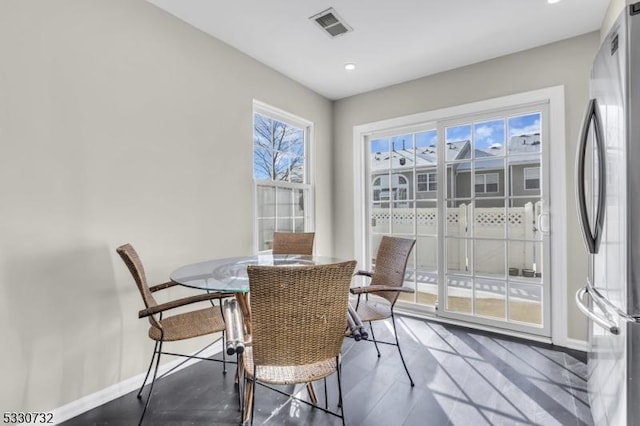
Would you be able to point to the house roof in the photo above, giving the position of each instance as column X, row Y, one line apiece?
column 426, row 157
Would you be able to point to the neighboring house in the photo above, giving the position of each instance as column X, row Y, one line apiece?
column 392, row 173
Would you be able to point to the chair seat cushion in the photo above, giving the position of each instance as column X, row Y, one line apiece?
column 189, row 324
column 289, row 374
column 373, row 310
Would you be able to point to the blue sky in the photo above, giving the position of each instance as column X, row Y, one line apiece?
column 485, row 134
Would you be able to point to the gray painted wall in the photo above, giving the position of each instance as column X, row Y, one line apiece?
column 119, row 123
column 565, row 63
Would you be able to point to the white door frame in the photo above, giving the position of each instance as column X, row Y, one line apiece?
column 557, row 197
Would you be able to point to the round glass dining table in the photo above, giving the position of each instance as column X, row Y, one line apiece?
column 229, row 275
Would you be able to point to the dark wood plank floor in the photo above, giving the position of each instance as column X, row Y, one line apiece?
column 462, row 377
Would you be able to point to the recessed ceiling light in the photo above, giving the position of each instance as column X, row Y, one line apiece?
column 350, row 66
column 553, row 1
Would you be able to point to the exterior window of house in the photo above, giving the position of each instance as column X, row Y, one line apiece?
column 486, row 183
column 532, row 178
column 398, row 190
column 427, row 182
column 283, row 185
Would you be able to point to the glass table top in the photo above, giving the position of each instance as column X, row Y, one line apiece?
column 230, row 274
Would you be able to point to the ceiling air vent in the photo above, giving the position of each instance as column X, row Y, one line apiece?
column 331, row 23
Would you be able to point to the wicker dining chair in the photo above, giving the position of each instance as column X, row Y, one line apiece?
column 297, row 329
column 293, row 243
column 176, row 327
column 387, row 283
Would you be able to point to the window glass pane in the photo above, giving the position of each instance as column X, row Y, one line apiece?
column 278, row 150
column 433, row 182
column 422, row 182
column 524, row 134
column 532, row 178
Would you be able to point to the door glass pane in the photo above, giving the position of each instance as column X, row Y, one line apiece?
column 525, row 260
column 489, row 218
column 491, row 298
column 525, row 303
column 426, row 162
column 403, row 222
column 489, row 258
column 458, row 140
column 427, row 270
column 458, row 223
column 488, row 138
column 489, row 177
column 458, row 180
column 427, row 218
column 459, row 294
column 459, row 255
column 524, row 134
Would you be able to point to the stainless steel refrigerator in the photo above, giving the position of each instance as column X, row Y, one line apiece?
column 608, row 194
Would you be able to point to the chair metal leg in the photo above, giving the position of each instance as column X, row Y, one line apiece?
column 253, row 394
column 153, row 356
column 326, row 398
column 339, row 370
column 373, row 338
column 240, row 382
column 153, row 382
column 395, row 332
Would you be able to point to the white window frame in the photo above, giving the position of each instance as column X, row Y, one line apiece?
column 484, row 183
column 554, row 96
column 432, row 179
column 525, row 179
column 308, row 186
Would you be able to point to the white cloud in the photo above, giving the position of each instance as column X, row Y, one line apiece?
column 526, row 130
column 484, row 131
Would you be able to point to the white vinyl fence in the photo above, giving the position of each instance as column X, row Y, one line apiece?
column 524, row 240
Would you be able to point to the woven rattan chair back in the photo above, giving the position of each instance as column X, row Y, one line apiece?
column 391, row 264
column 298, row 312
column 132, row 260
column 293, row 243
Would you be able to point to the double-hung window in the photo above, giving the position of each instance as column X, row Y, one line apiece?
column 427, row 182
column 486, row 183
column 283, row 185
column 532, row 178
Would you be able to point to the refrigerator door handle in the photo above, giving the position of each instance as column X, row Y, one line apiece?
column 605, row 323
column 591, row 239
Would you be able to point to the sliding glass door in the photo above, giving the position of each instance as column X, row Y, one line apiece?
column 471, row 192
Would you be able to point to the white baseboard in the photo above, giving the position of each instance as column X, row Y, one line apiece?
column 578, row 345
column 117, row 390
